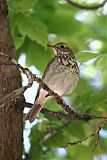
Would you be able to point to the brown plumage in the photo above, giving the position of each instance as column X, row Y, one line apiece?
column 61, row 75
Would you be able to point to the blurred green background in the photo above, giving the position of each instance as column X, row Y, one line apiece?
column 34, row 24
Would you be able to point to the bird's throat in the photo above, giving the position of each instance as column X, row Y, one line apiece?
column 55, row 51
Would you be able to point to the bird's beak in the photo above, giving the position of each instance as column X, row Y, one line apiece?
column 53, row 48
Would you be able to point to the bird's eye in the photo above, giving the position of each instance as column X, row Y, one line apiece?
column 62, row 46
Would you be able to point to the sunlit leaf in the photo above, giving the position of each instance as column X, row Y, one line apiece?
column 36, row 54
column 32, row 27
column 22, row 5
column 85, row 56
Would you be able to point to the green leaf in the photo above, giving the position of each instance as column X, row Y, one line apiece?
column 18, row 38
column 80, row 152
column 101, row 61
column 36, row 54
column 53, row 105
column 85, row 56
column 62, row 24
column 18, row 42
column 32, row 27
column 36, row 154
column 22, row 5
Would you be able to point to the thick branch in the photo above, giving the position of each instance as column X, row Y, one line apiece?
column 62, row 116
column 72, row 3
column 11, row 115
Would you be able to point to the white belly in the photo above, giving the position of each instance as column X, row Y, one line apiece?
column 64, row 84
column 60, row 81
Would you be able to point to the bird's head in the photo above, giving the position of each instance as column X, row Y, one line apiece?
column 61, row 47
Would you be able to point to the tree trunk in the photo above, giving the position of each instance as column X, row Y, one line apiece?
column 11, row 115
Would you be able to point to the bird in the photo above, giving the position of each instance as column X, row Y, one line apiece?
column 61, row 75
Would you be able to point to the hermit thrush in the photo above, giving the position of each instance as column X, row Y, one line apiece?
column 61, row 75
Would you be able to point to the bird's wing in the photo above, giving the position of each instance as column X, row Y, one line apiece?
column 46, row 70
column 48, row 67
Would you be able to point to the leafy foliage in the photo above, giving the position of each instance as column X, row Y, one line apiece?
column 31, row 23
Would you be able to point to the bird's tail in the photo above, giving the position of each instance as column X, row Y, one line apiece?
column 33, row 112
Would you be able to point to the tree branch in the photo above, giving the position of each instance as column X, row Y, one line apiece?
column 95, row 133
column 49, row 134
column 72, row 3
column 62, row 116
column 72, row 115
column 55, row 130
column 56, row 97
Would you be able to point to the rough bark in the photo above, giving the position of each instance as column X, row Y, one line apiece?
column 11, row 115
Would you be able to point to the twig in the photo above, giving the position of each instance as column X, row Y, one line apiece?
column 72, row 3
column 16, row 93
column 51, row 133
column 60, row 101
column 58, row 115
column 98, row 136
column 57, row 129
column 62, row 116
column 24, row 70
column 95, row 133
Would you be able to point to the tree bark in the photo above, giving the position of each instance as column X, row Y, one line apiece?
column 11, row 115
